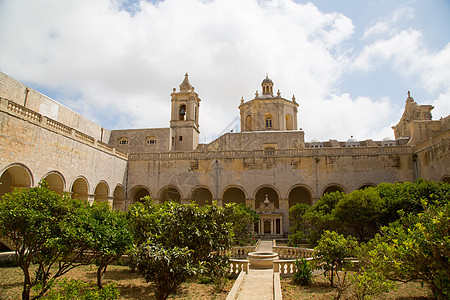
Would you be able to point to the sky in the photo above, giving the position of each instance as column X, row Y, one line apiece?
column 349, row 63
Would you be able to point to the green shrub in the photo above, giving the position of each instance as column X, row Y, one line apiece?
column 303, row 274
column 77, row 289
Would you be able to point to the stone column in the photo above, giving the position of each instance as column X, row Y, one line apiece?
column 250, row 202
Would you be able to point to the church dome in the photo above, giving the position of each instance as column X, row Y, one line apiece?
column 387, row 139
column 352, row 140
column 267, row 80
column 315, row 141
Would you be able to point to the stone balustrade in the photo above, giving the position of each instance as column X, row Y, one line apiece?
column 277, row 153
column 285, row 267
column 238, row 265
column 242, row 252
column 24, row 113
column 293, row 252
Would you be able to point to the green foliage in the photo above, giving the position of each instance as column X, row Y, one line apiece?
column 407, row 197
column 298, row 224
column 331, row 252
column 107, row 234
column 368, row 283
column 168, row 268
column 360, row 211
column 321, row 217
column 39, row 222
column 243, row 219
column 175, row 240
column 76, row 289
column 303, row 273
column 364, row 212
column 417, row 247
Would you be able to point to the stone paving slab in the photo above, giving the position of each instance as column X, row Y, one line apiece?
column 264, row 246
column 258, row 284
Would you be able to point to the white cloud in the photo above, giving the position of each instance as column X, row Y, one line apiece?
column 389, row 24
column 122, row 66
column 340, row 117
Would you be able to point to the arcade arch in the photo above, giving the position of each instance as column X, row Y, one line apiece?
column 366, row 185
column 169, row 193
column 15, row 176
column 271, row 193
column 101, row 192
column 139, row 192
column 118, row 198
column 300, row 194
column 446, row 179
column 80, row 188
column 201, row 196
column 55, row 181
column 233, row 195
column 333, row 188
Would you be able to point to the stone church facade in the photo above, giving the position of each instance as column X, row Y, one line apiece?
column 268, row 165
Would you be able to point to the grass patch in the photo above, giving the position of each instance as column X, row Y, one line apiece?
column 130, row 284
column 320, row 289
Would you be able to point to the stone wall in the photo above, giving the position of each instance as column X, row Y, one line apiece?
column 41, row 146
column 281, row 170
column 257, row 140
column 433, row 158
column 21, row 94
column 138, row 140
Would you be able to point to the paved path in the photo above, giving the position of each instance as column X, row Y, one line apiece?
column 258, row 284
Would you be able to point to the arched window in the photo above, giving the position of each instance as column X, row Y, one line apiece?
column 289, row 123
column 248, row 123
column 182, row 112
column 151, row 140
column 268, row 122
column 123, row 141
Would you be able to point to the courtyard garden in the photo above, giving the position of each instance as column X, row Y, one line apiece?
column 387, row 242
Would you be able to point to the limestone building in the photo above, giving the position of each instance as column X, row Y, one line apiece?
column 268, row 165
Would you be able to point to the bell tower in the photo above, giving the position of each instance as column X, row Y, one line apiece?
column 184, row 117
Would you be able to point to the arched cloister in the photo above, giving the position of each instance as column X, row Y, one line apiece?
column 446, row 179
column 139, row 192
column 300, row 194
column 55, row 181
column 80, row 188
column 15, row 176
column 271, row 193
column 101, row 192
column 233, row 195
column 366, row 185
column 202, row 196
column 169, row 193
column 118, row 198
column 333, row 188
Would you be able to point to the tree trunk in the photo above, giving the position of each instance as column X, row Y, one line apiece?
column 26, row 285
column 100, row 274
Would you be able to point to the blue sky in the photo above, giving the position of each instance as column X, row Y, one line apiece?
column 349, row 63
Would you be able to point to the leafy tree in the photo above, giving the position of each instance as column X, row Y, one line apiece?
column 243, row 219
column 360, row 210
column 175, row 240
column 167, row 267
column 37, row 221
column 416, row 247
column 299, row 226
column 331, row 252
column 321, row 216
column 108, row 234
column 407, row 197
